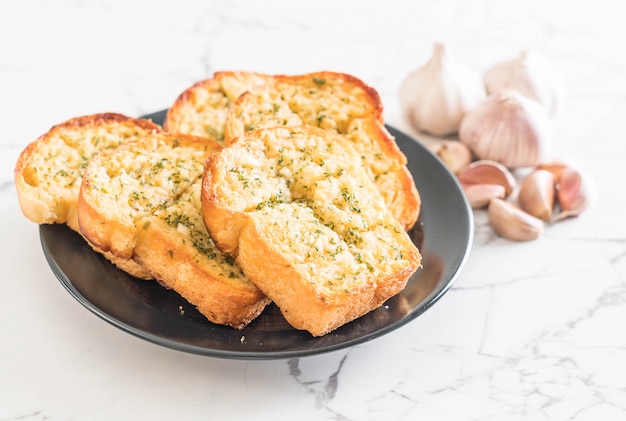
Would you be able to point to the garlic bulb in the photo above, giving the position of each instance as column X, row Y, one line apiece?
column 530, row 75
column 435, row 97
column 509, row 128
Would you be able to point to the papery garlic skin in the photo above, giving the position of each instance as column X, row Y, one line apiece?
column 509, row 128
column 435, row 97
column 532, row 76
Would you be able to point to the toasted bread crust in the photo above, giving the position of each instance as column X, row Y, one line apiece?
column 49, row 171
column 142, row 201
column 305, row 223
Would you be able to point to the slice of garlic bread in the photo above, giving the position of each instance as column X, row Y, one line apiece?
column 131, row 180
column 201, row 109
column 341, row 103
column 49, row 171
column 142, row 201
column 306, row 224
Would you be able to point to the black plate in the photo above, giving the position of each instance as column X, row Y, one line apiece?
column 147, row 310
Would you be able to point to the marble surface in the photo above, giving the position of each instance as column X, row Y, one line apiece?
column 529, row 331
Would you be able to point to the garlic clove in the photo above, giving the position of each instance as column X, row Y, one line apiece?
column 532, row 76
column 435, row 97
column 512, row 223
column 536, row 194
column 573, row 193
column 488, row 172
column 555, row 167
column 508, row 128
column 479, row 195
column 454, row 154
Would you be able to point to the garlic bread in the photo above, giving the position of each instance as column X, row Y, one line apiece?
column 49, row 171
column 141, row 201
column 304, row 221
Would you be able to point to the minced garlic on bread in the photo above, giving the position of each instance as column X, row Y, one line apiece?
column 49, row 171
column 303, row 220
column 142, row 201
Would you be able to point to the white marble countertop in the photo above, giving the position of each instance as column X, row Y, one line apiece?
column 529, row 331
